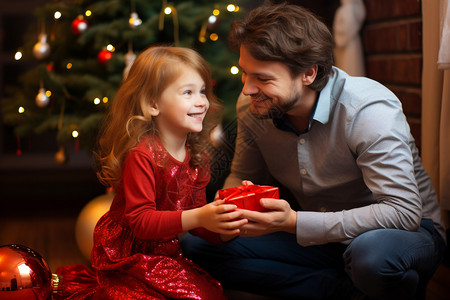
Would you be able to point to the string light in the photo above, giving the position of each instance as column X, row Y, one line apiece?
column 74, row 134
column 69, row 66
column 214, row 37
column 216, row 12
column 105, row 99
column 88, row 13
column 168, row 10
column 234, row 70
column 48, row 93
column 231, row 7
column 110, row 48
column 212, row 19
column 97, row 101
column 18, row 55
column 57, row 15
column 21, row 110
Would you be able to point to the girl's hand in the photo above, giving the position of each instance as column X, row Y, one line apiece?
column 215, row 216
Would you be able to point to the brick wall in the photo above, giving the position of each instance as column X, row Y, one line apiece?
column 392, row 37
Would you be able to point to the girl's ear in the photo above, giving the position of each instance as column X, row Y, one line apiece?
column 310, row 75
column 154, row 110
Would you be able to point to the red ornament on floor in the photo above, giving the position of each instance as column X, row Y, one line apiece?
column 24, row 274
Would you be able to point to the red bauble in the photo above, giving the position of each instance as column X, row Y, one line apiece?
column 104, row 56
column 25, row 274
column 79, row 25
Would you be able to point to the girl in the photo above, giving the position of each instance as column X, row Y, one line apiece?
column 152, row 150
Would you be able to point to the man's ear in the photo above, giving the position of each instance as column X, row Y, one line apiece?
column 310, row 75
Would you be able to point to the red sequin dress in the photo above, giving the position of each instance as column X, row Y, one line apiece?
column 136, row 253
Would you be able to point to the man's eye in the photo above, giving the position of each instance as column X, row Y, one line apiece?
column 263, row 79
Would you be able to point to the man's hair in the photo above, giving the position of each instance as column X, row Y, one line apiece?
column 289, row 34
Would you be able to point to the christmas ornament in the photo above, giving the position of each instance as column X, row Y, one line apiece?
column 104, row 56
column 50, row 67
column 42, row 99
column 61, row 156
column 41, row 49
column 134, row 20
column 88, row 218
column 130, row 57
column 24, row 274
column 79, row 25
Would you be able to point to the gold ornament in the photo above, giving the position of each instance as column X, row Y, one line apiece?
column 41, row 49
column 134, row 20
column 88, row 218
column 61, row 156
column 42, row 99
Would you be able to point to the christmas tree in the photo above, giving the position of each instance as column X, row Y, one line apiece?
column 84, row 48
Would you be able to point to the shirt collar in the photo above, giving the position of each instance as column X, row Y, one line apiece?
column 321, row 111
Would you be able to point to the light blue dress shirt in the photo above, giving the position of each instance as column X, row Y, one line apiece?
column 356, row 169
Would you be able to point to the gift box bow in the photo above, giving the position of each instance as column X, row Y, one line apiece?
column 248, row 196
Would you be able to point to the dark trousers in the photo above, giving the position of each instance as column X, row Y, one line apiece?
column 383, row 264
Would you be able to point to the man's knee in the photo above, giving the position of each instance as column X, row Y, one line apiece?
column 375, row 264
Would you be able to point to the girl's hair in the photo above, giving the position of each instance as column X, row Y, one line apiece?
column 129, row 118
column 289, row 34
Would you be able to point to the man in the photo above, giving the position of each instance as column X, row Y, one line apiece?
column 368, row 219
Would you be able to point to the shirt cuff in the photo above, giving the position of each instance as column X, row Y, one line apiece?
column 310, row 228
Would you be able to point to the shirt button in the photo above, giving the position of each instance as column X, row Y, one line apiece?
column 303, row 171
column 302, row 141
column 323, row 209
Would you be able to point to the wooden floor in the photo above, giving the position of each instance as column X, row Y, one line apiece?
column 54, row 238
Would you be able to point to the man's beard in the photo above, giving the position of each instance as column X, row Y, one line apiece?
column 274, row 111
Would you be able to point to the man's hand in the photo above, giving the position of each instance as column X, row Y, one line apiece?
column 280, row 217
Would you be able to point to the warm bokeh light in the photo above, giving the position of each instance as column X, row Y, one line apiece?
column 168, row 10
column 88, row 13
column 214, row 37
column 110, row 48
column 234, row 70
column 18, row 55
column 216, row 12
column 48, row 93
column 231, row 7
column 21, row 110
column 74, row 134
column 69, row 66
column 105, row 99
column 57, row 15
column 97, row 101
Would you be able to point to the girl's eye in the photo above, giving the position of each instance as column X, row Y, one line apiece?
column 188, row 92
column 203, row 91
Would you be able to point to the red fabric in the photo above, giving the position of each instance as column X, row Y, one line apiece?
column 136, row 252
column 248, row 196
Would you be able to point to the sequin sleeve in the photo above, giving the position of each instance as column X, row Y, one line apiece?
column 140, row 208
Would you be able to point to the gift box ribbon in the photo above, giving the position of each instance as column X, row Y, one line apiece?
column 248, row 196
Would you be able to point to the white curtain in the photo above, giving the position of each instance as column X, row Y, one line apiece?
column 436, row 98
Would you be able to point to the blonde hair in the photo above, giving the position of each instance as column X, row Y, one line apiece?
column 129, row 118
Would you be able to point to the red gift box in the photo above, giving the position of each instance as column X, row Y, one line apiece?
column 248, row 196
